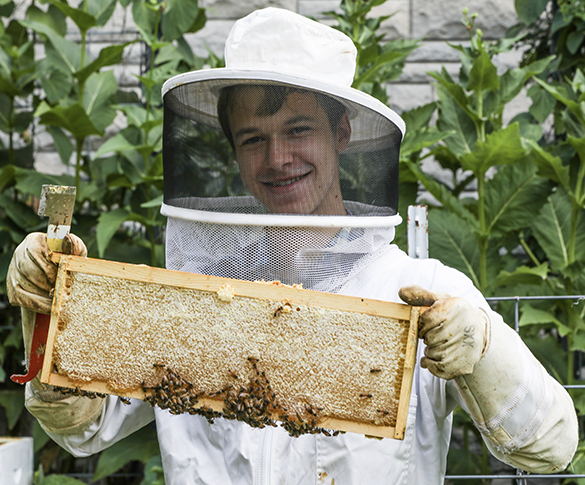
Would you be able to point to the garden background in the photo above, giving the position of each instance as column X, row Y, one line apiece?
column 493, row 95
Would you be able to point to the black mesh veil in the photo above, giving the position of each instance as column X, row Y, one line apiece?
column 201, row 170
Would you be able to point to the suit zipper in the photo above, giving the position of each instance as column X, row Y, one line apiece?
column 266, row 456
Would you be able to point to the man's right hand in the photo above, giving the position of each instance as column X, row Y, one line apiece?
column 31, row 274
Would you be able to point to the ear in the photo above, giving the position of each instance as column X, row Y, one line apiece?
column 343, row 133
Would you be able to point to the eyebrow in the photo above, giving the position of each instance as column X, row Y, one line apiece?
column 291, row 121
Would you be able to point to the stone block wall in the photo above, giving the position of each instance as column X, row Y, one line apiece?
column 435, row 22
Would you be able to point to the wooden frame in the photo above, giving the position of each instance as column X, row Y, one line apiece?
column 275, row 295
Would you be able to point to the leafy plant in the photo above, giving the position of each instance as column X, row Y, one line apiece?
column 553, row 26
column 506, row 209
column 469, row 232
column 378, row 61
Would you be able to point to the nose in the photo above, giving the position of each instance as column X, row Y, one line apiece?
column 278, row 154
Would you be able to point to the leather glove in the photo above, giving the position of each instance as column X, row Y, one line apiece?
column 31, row 277
column 454, row 332
column 31, row 274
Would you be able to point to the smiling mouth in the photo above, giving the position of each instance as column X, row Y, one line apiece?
column 283, row 183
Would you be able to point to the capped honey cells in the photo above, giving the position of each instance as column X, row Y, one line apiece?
column 217, row 354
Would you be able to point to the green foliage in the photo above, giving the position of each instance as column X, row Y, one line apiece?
column 520, row 229
column 510, row 212
column 553, row 26
column 469, row 232
column 139, row 446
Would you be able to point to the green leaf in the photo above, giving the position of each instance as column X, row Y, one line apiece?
column 550, row 166
column 500, row 147
column 31, row 181
column 523, row 275
column 483, row 75
column 579, row 192
column 98, row 99
column 574, row 41
column 453, row 242
column 61, row 480
column 13, row 404
column 444, row 196
column 552, row 229
column 57, row 86
column 83, row 20
column 536, row 316
column 529, row 10
column 414, row 141
column 139, row 446
column 156, row 203
column 145, row 20
column 40, row 438
column 99, row 89
column 560, row 94
column 53, row 18
column 153, row 472
column 455, row 92
column 108, row 56
column 19, row 213
column 454, row 119
column 101, row 10
column 178, row 18
column 72, row 118
column 135, row 114
column 513, row 197
column 116, row 144
column 108, row 224
column 62, row 143
column 62, row 53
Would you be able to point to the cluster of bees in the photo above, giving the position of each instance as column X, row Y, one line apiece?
column 254, row 402
column 66, row 391
column 177, row 395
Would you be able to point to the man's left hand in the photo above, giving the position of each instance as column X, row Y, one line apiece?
column 454, row 332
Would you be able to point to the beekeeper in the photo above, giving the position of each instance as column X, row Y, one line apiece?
column 319, row 163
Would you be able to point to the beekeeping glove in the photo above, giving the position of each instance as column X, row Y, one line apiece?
column 454, row 332
column 31, row 274
column 31, row 277
column 29, row 281
column 527, row 419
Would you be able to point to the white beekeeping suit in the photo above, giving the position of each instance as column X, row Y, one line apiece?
column 318, row 171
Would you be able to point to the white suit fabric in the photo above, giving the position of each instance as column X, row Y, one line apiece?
column 230, row 452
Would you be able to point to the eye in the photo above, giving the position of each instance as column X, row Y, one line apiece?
column 252, row 140
column 300, row 130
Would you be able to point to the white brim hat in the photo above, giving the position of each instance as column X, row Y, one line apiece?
column 277, row 46
column 274, row 46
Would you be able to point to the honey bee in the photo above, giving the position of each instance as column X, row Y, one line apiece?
column 124, row 400
column 278, row 311
column 286, row 308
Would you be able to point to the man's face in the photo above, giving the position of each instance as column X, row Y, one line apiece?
column 289, row 160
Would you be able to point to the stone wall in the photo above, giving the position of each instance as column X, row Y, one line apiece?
column 435, row 22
